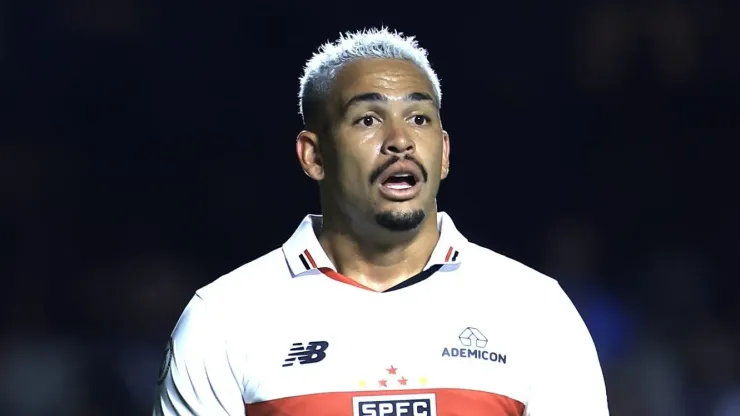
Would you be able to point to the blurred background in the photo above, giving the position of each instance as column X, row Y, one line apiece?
column 148, row 148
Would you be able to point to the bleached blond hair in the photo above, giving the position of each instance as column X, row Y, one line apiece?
column 374, row 43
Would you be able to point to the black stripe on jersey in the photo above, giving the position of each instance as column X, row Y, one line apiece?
column 305, row 263
column 454, row 256
column 416, row 278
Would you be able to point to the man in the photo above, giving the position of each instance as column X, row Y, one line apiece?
column 380, row 306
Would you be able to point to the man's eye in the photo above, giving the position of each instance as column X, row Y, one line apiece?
column 367, row 121
column 420, row 120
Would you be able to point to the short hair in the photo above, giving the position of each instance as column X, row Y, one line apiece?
column 320, row 71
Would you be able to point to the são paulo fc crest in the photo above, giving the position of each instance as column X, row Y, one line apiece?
column 395, row 405
column 164, row 369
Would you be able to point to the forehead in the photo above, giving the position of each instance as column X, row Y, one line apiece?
column 392, row 78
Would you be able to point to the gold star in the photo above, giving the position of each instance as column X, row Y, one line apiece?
column 423, row 381
column 362, row 383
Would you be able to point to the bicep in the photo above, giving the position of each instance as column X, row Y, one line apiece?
column 567, row 377
column 196, row 377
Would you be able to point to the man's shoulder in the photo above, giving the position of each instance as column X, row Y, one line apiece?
column 249, row 281
column 517, row 286
column 502, row 270
column 230, row 306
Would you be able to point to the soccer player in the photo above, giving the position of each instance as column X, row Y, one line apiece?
column 379, row 306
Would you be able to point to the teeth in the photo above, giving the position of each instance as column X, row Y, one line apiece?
column 402, row 175
column 398, row 186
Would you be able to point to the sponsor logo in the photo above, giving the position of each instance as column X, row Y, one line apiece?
column 395, row 405
column 473, row 342
column 313, row 352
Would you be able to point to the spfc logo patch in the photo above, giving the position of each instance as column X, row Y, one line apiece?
column 395, row 405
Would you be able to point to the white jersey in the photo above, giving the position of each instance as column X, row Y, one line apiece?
column 474, row 334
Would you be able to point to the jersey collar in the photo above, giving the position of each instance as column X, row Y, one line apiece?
column 304, row 254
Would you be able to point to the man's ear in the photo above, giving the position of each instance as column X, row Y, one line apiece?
column 445, row 154
column 309, row 156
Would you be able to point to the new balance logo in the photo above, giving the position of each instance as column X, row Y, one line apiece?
column 314, row 352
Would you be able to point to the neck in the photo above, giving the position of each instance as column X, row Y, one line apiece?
column 384, row 261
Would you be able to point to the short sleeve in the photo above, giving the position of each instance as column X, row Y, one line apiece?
column 567, row 375
column 196, row 377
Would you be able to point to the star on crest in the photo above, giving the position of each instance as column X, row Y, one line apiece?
column 402, row 381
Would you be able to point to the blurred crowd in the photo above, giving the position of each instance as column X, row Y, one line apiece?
column 134, row 170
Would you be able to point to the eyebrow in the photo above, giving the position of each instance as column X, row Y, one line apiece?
column 377, row 97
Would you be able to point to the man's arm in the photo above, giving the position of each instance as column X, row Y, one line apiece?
column 568, row 380
column 196, row 378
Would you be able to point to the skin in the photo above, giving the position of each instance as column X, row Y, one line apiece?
column 378, row 109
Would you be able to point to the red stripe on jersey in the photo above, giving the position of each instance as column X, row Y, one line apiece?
column 449, row 253
column 333, row 274
column 310, row 258
column 449, row 402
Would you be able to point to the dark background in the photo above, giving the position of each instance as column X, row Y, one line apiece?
column 148, row 148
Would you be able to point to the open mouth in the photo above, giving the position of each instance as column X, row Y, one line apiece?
column 400, row 181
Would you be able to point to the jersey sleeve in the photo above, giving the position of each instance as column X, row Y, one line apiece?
column 567, row 375
column 196, row 377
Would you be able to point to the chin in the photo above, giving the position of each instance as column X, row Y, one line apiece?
column 400, row 219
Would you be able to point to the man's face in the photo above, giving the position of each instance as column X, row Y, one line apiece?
column 387, row 151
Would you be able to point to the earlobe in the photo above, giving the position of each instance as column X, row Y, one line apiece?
column 445, row 155
column 307, row 150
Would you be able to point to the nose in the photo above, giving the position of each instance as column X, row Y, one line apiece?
column 398, row 143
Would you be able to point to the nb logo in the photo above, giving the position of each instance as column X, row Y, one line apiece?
column 314, row 352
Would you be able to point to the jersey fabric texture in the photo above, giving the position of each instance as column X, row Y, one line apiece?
column 474, row 334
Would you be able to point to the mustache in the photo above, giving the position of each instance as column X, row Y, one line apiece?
column 392, row 161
